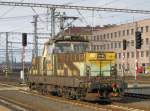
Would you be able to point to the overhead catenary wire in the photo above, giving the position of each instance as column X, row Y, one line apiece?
column 82, row 16
column 21, row 17
column 75, row 7
column 10, row 9
column 37, row 14
column 69, row 3
column 110, row 2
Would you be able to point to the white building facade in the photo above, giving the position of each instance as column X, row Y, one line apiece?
column 110, row 38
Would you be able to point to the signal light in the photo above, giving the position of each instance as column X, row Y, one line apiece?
column 124, row 44
column 138, row 39
column 24, row 39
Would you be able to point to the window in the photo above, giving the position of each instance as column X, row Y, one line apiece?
column 94, row 37
column 147, row 53
column 119, row 55
column 115, row 34
column 111, row 45
column 97, row 37
column 127, row 32
column 107, row 46
column 142, row 53
column 91, row 47
column 132, row 42
column 111, row 35
column 87, row 38
column 132, row 54
column 128, row 43
column 142, row 29
column 128, row 54
column 119, row 33
column 101, row 47
column 123, row 33
column 104, row 46
column 97, row 47
column 104, row 36
column 132, row 31
column 142, row 41
column 107, row 36
column 128, row 66
column 147, row 41
column 115, row 45
column 119, row 44
column 146, row 28
column 101, row 37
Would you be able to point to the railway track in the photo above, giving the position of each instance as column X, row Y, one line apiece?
column 81, row 104
column 90, row 105
column 142, row 96
column 10, row 106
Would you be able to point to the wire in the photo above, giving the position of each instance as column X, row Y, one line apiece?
column 6, row 12
column 69, row 3
column 37, row 14
column 82, row 16
column 21, row 17
column 110, row 2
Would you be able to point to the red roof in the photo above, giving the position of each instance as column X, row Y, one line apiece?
column 80, row 30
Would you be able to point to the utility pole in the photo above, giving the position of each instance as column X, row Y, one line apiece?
column 62, row 24
column 63, row 18
column 53, row 22
column 7, row 57
column 12, row 61
column 35, row 38
column 47, row 18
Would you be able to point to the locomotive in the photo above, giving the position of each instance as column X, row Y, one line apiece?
column 69, row 69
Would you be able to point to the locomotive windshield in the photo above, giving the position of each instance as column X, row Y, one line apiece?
column 70, row 44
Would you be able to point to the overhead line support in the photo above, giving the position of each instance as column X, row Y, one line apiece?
column 52, row 6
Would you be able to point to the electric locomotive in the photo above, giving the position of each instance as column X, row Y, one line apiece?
column 70, row 69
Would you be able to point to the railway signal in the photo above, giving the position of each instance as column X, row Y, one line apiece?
column 138, row 39
column 24, row 39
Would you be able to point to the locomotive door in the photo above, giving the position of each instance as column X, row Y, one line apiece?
column 105, row 68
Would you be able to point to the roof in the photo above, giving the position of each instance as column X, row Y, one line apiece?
column 81, row 30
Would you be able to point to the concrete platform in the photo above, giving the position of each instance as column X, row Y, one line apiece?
column 137, row 85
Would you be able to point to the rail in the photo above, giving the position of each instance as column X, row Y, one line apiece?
column 135, row 95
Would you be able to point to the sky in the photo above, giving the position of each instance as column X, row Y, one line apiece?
column 20, row 19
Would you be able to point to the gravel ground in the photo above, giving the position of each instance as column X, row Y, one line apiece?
column 41, row 104
column 134, row 103
column 3, row 108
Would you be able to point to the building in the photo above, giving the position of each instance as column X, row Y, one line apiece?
column 85, row 32
column 110, row 38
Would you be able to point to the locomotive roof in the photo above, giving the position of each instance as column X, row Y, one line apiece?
column 71, row 39
column 67, row 39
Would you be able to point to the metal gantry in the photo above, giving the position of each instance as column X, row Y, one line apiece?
column 53, row 6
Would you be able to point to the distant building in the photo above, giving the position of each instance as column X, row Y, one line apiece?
column 85, row 32
column 110, row 38
column 16, row 67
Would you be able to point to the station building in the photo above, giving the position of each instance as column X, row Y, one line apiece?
column 110, row 38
